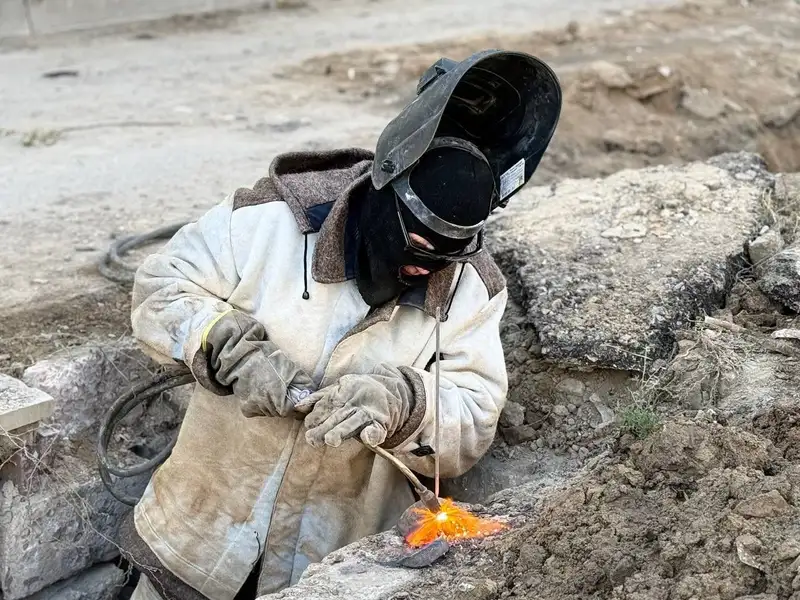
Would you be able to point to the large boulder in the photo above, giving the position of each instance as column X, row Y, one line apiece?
column 606, row 270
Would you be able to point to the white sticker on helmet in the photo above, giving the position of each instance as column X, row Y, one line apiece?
column 513, row 179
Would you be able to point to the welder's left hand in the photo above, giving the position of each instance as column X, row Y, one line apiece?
column 374, row 407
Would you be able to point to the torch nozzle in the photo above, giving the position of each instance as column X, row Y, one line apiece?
column 429, row 499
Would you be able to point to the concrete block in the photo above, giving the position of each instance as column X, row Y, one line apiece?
column 12, row 19
column 63, row 526
column 99, row 583
column 21, row 405
column 85, row 381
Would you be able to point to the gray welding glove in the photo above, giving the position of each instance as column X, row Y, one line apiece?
column 375, row 407
column 240, row 360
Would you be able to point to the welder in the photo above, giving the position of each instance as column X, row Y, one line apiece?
column 305, row 309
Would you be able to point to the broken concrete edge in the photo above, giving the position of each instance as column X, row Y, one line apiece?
column 21, row 406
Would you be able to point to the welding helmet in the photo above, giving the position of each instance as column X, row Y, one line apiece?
column 504, row 104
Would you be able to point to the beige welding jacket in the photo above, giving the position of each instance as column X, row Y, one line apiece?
column 236, row 489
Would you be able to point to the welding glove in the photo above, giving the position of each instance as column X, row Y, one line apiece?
column 242, row 361
column 373, row 407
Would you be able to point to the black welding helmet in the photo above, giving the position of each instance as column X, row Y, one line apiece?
column 506, row 104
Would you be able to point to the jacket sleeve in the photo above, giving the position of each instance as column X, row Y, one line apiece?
column 473, row 388
column 182, row 290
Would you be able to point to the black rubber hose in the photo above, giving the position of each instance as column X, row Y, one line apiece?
column 122, row 406
column 113, row 267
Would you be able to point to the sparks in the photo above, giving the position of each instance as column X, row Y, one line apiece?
column 452, row 522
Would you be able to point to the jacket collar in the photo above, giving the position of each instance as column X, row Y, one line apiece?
column 319, row 188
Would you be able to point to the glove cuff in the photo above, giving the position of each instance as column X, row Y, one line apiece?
column 417, row 409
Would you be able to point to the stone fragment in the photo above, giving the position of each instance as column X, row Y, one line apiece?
column 781, row 115
column 21, row 405
column 765, row 246
column 560, row 410
column 513, row 415
column 788, row 550
column 748, row 549
column 610, row 75
column 779, row 278
column 571, row 387
column 703, row 103
column 519, row 434
column 601, row 301
column 770, row 504
column 60, row 529
column 98, row 583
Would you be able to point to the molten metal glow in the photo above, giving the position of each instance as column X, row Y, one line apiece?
column 452, row 522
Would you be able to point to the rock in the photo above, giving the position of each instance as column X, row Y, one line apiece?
column 748, row 549
column 788, row 550
column 702, row 103
column 85, row 381
column 571, row 387
column 610, row 75
column 780, row 116
column 606, row 301
column 780, row 278
column 770, row 504
column 513, row 415
column 98, row 583
column 560, row 410
column 21, row 405
column 758, row 597
column 765, row 246
column 621, row 571
column 60, row 528
column 519, row 435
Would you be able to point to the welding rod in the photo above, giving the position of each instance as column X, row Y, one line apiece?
column 437, row 434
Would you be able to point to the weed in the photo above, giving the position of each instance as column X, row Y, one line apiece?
column 640, row 421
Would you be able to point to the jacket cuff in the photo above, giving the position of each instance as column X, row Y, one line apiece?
column 200, row 362
column 416, row 413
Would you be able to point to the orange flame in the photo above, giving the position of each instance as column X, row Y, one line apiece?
column 452, row 522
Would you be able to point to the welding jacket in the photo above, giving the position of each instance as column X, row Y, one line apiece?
column 239, row 489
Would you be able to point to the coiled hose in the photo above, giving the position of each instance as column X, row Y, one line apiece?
column 114, row 268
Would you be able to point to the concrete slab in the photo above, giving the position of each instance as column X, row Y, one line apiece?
column 607, row 270
column 12, row 19
column 21, row 405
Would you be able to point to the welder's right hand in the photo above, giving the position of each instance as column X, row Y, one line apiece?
column 240, row 360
